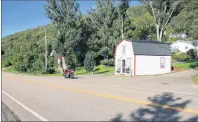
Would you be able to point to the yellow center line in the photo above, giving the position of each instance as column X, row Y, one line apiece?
column 188, row 110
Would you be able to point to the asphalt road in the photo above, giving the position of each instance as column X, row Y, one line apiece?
column 7, row 114
column 170, row 97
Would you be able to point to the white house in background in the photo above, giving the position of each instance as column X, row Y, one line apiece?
column 142, row 57
column 176, row 35
column 182, row 46
column 196, row 47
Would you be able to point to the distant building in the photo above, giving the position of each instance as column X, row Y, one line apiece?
column 176, row 35
column 182, row 46
column 197, row 47
column 142, row 57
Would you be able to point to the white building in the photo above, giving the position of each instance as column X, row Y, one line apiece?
column 176, row 35
column 196, row 47
column 182, row 46
column 142, row 57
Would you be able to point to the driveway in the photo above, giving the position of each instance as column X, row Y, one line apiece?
column 170, row 97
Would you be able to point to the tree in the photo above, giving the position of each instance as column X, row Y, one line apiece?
column 89, row 62
column 163, row 11
column 140, row 24
column 64, row 15
column 122, row 8
column 103, row 21
column 186, row 20
column 192, row 53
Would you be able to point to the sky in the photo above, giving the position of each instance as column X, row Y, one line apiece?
column 22, row 15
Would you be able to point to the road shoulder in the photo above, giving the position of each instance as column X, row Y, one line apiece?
column 7, row 114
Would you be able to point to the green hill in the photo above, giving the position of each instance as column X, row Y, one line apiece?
column 26, row 46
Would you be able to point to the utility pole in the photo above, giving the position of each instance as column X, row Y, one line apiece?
column 45, row 52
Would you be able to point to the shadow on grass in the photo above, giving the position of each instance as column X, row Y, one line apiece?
column 191, row 61
column 156, row 113
column 194, row 65
column 101, row 72
column 96, row 69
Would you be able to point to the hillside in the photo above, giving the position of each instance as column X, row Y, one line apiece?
column 24, row 47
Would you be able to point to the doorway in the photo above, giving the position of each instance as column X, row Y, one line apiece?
column 123, row 66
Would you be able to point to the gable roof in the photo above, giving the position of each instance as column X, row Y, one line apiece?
column 187, row 42
column 149, row 47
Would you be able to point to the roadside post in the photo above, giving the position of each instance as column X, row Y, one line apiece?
column 131, row 71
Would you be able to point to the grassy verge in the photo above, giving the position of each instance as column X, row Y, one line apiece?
column 195, row 80
column 187, row 65
column 79, row 71
column 97, row 70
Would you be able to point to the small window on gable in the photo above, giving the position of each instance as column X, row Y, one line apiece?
column 123, row 49
column 186, row 47
column 162, row 62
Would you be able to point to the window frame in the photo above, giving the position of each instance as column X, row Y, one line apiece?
column 162, row 62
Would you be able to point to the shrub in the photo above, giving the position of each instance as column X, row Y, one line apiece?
column 107, row 62
column 6, row 63
column 111, row 62
column 104, row 62
column 192, row 53
column 89, row 62
column 181, row 57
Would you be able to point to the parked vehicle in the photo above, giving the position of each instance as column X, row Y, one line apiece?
column 68, row 73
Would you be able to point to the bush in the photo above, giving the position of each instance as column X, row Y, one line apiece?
column 107, row 62
column 181, row 57
column 6, row 63
column 192, row 53
column 89, row 62
column 104, row 62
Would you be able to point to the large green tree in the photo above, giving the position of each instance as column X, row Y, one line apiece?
column 64, row 15
column 140, row 24
column 187, row 20
column 163, row 11
column 103, row 20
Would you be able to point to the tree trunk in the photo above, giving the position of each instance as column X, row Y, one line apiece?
column 160, row 36
column 157, row 27
column 122, row 30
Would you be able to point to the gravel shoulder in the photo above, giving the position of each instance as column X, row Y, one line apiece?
column 7, row 114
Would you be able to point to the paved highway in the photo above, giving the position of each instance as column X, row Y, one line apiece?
column 170, row 97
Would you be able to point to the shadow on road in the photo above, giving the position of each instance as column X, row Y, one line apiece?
column 154, row 113
column 78, row 77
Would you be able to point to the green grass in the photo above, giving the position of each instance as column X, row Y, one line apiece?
column 12, row 70
column 195, row 80
column 79, row 71
column 97, row 70
column 187, row 65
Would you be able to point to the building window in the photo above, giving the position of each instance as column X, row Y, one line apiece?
column 162, row 62
column 186, row 48
column 123, row 50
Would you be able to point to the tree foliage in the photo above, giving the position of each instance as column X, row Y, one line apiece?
column 65, row 15
column 89, row 39
column 163, row 11
column 89, row 61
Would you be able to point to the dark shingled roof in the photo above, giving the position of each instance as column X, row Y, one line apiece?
column 149, row 47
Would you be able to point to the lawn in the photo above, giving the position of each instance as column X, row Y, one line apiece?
column 97, row 70
column 195, row 80
column 79, row 71
column 187, row 65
